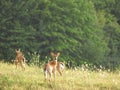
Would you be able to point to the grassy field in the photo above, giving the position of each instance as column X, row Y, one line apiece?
column 33, row 79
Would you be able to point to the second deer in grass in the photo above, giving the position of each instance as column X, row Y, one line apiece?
column 20, row 59
column 50, row 67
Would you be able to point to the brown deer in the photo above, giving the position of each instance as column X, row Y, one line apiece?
column 60, row 65
column 20, row 59
column 50, row 67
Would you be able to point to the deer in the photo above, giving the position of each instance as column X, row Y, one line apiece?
column 19, row 59
column 50, row 67
column 60, row 65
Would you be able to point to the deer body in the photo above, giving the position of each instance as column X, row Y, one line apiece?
column 50, row 67
column 20, row 59
column 60, row 67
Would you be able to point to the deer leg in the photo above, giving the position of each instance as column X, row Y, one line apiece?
column 45, row 74
column 50, row 73
column 23, row 65
column 59, row 69
column 54, row 73
column 60, row 72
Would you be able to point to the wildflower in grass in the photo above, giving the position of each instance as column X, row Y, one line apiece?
column 108, row 70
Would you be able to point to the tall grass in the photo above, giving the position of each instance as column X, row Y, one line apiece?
column 33, row 79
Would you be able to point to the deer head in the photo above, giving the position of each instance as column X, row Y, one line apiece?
column 55, row 55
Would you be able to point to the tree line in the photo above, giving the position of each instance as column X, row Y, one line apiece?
column 84, row 31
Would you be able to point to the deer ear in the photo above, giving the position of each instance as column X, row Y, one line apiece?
column 52, row 54
column 58, row 53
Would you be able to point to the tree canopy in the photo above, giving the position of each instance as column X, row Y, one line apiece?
column 82, row 30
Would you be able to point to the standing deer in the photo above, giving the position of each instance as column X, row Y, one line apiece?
column 60, row 65
column 50, row 67
column 20, row 59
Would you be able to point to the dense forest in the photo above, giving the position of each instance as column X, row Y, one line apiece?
column 84, row 31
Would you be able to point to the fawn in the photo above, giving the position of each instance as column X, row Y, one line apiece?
column 60, row 65
column 20, row 59
column 50, row 67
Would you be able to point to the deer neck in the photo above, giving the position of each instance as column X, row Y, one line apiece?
column 54, row 62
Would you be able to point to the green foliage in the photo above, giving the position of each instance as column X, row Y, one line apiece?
column 108, row 14
column 80, row 29
column 34, row 59
column 15, row 32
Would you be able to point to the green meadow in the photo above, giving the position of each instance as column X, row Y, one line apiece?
column 80, row 79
